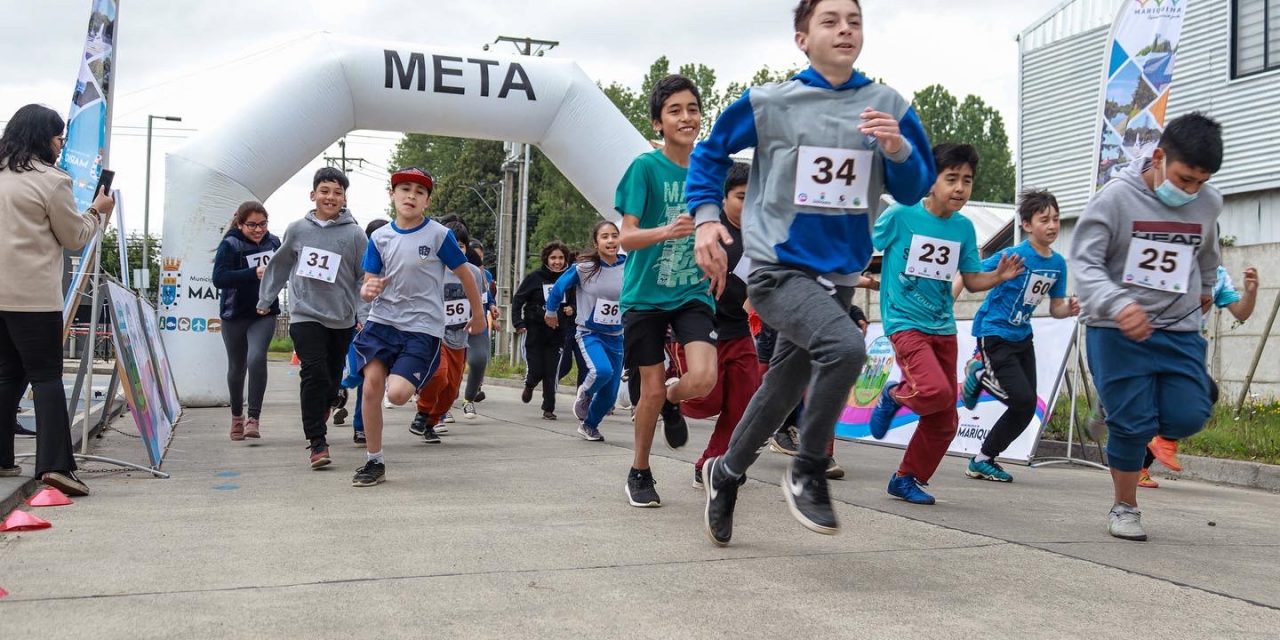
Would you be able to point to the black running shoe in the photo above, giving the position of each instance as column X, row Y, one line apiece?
column 722, row 496
column 419, row 424
column 527, row 395
column 784, row 442
column 640, row 491
column 340, row 407
column 20, row 431
column 479, row 396
column 430, row 436
column 358, row 438
column 674, row 429
column 370, row 474
column 805, row 485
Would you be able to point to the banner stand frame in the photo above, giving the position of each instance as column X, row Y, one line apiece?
column 86, row 375
column 1073, row 381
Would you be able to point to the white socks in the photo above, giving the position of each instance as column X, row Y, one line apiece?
column 375, row 457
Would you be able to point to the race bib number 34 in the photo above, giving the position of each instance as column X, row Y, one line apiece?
column 933, row 258
column 608, row 313
column 833, row 178
column 318, row 264
column 1162, row 266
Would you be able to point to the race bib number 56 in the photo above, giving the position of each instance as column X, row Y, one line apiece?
column 457, row 312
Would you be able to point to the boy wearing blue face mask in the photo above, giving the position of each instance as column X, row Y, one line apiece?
column 1145, row 253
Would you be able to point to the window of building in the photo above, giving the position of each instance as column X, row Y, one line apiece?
column 1255, row 40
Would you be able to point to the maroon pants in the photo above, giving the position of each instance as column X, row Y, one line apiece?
column 928, row 388
column 737, row 379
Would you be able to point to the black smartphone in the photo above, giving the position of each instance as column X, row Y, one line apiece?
column 104, row 182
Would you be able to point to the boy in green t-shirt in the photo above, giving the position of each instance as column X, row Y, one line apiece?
column 662, row 284
column 925, row 246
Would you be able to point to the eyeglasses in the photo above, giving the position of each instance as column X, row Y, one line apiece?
column 256, row 225
column 62, row 140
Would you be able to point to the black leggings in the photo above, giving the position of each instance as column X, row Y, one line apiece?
column 247, row 342
column 1013, row 365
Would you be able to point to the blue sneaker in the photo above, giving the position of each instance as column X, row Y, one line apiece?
column 987, row 470
column 909, row 489
column 882, row 415
column 972, row 383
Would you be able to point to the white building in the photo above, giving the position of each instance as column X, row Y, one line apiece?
column 1228, row 67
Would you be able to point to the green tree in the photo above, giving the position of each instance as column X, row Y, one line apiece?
column 972, row 121
column 465, row 172
column 111, row 255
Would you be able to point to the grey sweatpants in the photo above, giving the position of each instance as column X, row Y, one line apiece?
column 818, row 348
column 477, row 362
column 246, row 342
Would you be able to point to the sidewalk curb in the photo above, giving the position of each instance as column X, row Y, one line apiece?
column 1238, row 473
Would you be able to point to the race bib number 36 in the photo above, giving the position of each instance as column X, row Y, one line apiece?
column 933, row 258
column 833, row 178
column 318, row 264
column 608, row 313
column 457, row 312
column 1162, row 266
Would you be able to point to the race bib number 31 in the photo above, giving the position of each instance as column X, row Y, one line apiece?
column 933, row 258
column 1162, row 266
column 607, row 313
column 318, row 264
column 833, row 178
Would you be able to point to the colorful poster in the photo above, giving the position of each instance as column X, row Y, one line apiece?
column 160, row 360
column 138, row 377
column 1053, row 340
column 1141, row 53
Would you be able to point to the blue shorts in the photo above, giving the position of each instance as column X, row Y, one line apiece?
column 410, row 355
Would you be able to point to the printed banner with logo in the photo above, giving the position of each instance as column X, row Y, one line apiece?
column 1140, row 58
column 144, row 371
column 88, row 138
column 1053, row 340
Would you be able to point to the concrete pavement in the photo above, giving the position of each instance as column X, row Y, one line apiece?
column 514, row 527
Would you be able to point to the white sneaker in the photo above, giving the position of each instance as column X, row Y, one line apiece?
column 440, row 428
column 469, row 410
column 448, row 417
column 1126, row 523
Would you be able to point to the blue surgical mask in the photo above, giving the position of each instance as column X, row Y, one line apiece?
column 1170, row 194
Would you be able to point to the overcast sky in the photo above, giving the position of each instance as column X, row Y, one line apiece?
column 198, row 59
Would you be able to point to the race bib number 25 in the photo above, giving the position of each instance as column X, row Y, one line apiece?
column 1162, row 266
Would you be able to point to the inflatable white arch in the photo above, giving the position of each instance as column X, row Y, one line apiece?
column 354, row 84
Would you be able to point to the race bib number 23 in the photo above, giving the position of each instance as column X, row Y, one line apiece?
column 933, row 258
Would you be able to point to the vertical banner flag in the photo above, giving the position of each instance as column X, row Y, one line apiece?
column 1141, row 52
column 1054, row 339
column 89, row 130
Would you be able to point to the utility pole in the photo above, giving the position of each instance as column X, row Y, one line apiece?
column 342, row 161
column 515, row 167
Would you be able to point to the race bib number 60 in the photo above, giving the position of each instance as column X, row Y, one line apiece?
column 833, row 178
column 933, row 258
column 608, row 313
column 1038, row 287
column 318, row 264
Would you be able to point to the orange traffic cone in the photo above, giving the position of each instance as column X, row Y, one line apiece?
column 49, row 497
column 294, row 360
column 23, row 521
column 3, row 593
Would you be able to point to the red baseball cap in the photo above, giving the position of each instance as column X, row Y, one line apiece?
column 413, row 174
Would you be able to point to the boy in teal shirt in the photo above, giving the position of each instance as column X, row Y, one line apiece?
column 662, row 285
column 925, row 246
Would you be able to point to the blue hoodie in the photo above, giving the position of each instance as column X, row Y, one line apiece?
column 783, row 223
column 237, row 279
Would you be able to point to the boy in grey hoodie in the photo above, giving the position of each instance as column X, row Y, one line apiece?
column 320, row 258
column 1145, row 254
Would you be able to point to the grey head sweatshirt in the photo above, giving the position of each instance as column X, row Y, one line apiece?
column 310, row 241
column 1126, row 209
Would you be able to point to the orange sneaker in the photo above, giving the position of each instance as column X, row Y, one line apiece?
column 1166, row 451
column 1145, row 481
